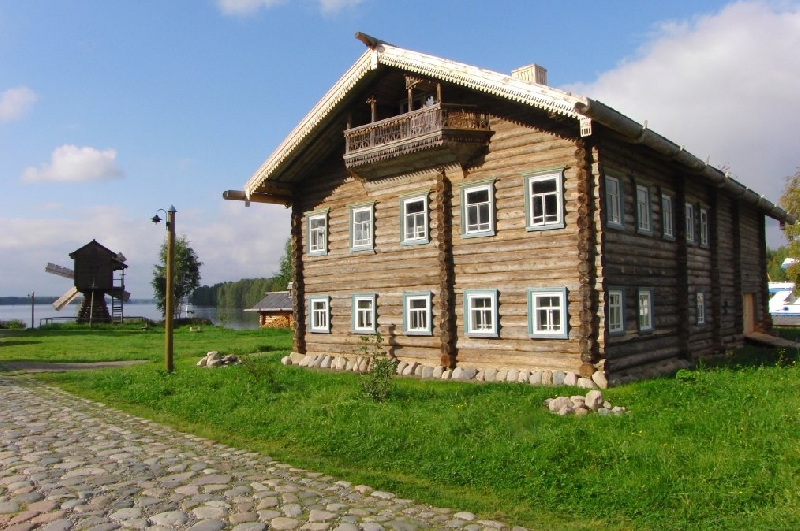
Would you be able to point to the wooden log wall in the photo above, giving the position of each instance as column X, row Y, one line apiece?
column 633, row 260
column 388, row 270
column 515, row 259
column 752, row 263
column 699, row 271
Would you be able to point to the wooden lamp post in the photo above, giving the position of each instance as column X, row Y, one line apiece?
column 169, row 299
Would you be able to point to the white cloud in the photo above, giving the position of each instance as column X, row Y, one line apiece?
column 725, row 85
column 248, row 7
column 15, row 102
column 71, row 163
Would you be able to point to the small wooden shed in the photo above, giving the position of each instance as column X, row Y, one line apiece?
column 274, row 310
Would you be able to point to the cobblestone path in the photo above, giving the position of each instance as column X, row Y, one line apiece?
column 70, row 464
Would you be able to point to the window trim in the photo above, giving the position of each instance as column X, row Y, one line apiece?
column 561, row 293
column 416, row 295
column 558, row 177
column 319, row 329
column 622, row 328
column 704, row 232
column 354, row 310
column 362, row 207
column 690, row 232
column 317, row 214
column 650, row 292
column 648, row 228
column 423, row 196
column 700, row 308
column 469, row 296
column 668, row 199
column 619, row 203
column 466, row 189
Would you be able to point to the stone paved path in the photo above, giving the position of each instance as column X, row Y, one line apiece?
column 70, row 464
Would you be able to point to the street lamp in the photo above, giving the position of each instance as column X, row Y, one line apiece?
column 169, row 299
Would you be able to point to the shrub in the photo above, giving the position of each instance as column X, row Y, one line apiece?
column 13, row 324
column 377, row 381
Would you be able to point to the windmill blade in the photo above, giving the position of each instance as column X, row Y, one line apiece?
column 59, row 270
column 66, row 298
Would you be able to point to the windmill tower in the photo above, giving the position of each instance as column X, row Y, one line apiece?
column 94, row 267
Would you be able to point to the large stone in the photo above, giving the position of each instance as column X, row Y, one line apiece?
column 559, row 403
column 586, row 383
column 599, row 378
column 214, row 355
column 401, row 367
column 409, row 370
column 523, row 376
column 512, row 375
column 535, row 378
column 594, row 399
column 457, row 373
column 437, row 372
column 489, row 375
column 558, row 377
column 326, row 363
column 427, row 372
column 571, row 379
column 547, row 378
column 501, row 375
column 468, row 373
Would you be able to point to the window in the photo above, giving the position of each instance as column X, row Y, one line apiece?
column 417, row 313
column 703, row 227
column 361, row 227
column 477, row 210
column 689, row 223
column 319, row 314
column 364, row 313
column 643, row 215
column 700, row 304
column 614, row 203
column 480, row 313
column 544, row 201
column 317, row 223
column 616, row 311
column 547, row 313
column 668, row 217
column 646, row 310
column 414, row 220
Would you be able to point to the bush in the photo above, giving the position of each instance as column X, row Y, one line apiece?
column 377, row 381
column 14, row 324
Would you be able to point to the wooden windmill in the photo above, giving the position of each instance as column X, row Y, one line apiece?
column 93, row 271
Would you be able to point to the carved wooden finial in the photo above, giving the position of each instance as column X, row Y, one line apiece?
column 369, row 41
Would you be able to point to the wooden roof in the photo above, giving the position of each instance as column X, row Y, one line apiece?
column 320, row 131
column 94, row 247
column 275, row 301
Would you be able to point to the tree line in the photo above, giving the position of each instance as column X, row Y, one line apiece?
column 245, row 293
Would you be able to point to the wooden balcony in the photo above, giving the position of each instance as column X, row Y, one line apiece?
column 433, row 136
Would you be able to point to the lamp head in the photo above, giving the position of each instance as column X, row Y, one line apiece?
column 155, row 219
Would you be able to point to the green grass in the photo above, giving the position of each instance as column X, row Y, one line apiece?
column 716, row 448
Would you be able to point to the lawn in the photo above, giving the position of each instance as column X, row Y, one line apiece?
column 714, row 448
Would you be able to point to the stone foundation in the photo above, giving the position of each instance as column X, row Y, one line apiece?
column 501, row 374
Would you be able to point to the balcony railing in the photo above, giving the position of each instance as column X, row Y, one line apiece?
column 439, row 121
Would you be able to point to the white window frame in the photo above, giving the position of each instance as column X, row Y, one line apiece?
column 480, row 318
column 547, row 220
column 690, row 237
column 644, row 306
column 319, row 314
column 483, row 227
column 644, row 211
column 616, row 311
column 700, row 308
column 410, row 298
column 314, row 246
column 703, row 227
column 408, row 221
column 362, row 243
column 539, row 328
column 615, row 203
column 668, row 216
column 364, row 318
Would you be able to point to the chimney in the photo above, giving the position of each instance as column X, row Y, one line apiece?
column 531, row 74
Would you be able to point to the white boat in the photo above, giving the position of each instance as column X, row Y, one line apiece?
column 784, row 306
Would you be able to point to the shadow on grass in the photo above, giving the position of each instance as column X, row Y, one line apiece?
column 17, row 343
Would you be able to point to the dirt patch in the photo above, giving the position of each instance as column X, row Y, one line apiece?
column 41, row 366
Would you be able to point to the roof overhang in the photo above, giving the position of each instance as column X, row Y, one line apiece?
column 266, row 186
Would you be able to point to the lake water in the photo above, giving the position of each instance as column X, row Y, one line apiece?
column 231, row 318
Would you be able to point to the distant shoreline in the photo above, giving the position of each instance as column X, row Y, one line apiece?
column 16, row 301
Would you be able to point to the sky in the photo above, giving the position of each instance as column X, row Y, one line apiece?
column 111, row 111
